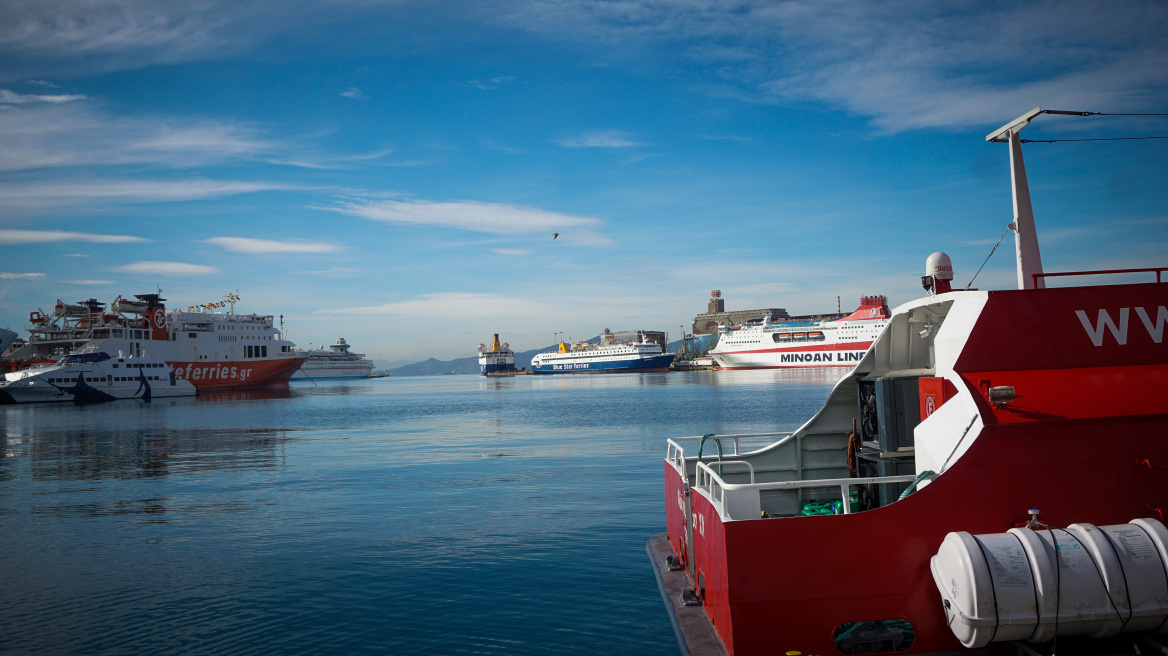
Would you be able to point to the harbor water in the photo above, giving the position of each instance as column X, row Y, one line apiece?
column 435, row 515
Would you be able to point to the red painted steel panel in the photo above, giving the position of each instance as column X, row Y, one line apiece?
column 792, row 581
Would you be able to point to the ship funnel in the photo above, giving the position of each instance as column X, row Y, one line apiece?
column 938, row 274
column 495, row 343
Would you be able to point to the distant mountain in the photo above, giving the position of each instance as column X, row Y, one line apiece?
column 435, row 367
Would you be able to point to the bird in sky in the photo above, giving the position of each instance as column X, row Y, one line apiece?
column 554, row 235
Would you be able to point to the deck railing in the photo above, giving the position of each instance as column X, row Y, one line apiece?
column 1156, row 270
column 744, row 501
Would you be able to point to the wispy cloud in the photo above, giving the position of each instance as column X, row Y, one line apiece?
column 41, row 136
column 4, row 275
column 268, row 246
column 353, row 92
column 602, row 139
column 907, row 65
column 446, row 305
column 88, row 283
column 493, row 83
column 46, row 236
column 68, row 193
column 12, row 98
column 335, row 272
column 493, row 218
column 511, row 252
column 167, row 268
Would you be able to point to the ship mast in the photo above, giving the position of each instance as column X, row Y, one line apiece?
column 1025, row 234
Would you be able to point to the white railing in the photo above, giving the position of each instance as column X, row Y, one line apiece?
column 675, row 452
column 743, row 501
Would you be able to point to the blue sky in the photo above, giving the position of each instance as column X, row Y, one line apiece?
column 392, row 172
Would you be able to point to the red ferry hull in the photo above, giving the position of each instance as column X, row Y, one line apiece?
column 255, row 373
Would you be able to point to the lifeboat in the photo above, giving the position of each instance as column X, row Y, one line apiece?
column 126, row 306
column 64, row 310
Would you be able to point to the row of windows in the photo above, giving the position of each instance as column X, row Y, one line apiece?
column 103, row 379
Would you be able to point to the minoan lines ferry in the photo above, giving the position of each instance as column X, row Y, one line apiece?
column 497, row 359
column 210, row 349
column 643, row 350
column 769, row 345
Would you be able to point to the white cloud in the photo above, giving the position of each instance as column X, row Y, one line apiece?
column 493, row 218
column 451, row 305
column 354, row 93
column 493, row 83
column 603, row 139
column 66, row 193
column 46, row 236
column 266, row 246
column 88, row 282
column 4, row 275
column 167, row 269
column 12, row 98
column 907, row 64
column 335, row 272
column 511, row 252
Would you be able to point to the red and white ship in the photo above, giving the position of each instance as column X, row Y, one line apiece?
column 794, row 343
column 212, row 349
column 992, row 476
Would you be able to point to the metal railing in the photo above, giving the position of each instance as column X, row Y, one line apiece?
column 1157, row 271
column 675, row 452
column 716, row 488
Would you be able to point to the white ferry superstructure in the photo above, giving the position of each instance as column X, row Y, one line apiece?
column 773, row 345
column 335, row 363
column 210, row 349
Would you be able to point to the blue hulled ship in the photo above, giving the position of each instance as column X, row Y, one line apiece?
column 499, row 358
column 642, row 350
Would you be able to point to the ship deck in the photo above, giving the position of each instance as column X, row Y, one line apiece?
column 695, row 634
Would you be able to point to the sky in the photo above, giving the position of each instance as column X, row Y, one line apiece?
column 393, row 172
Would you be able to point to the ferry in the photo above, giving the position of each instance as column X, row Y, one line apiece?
column 335, row 363
column 499, row 358
column 210, row 348
column 642, row 350
column 771, row 344
column 968, row 487
column 93, row 377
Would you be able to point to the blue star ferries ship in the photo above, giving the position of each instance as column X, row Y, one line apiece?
column 642, row 350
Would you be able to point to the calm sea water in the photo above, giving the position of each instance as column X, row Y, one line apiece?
column 436, row 515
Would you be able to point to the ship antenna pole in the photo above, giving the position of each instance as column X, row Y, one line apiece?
column 1025, row 235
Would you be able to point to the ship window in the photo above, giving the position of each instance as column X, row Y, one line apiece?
column 191, row 335
column 874, row 637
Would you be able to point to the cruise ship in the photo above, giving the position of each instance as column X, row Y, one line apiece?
column 769, row 344
column 642, row 350
column 334, row 363
column 499, row 358
column 209, row 347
